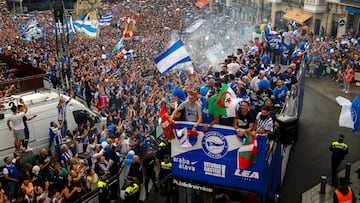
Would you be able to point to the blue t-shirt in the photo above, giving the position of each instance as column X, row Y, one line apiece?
column 273, row 77
column 288, row 79
column 280, row 94
column 206, row 117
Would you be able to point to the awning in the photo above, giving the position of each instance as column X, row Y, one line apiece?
column 352, row 10
column 298, row 17
column 201, row 3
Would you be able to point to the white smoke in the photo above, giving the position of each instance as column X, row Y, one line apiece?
column 214, row 40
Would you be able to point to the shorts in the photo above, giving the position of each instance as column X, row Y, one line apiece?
column 19, row 134
column 103, row 100
column 277, row 52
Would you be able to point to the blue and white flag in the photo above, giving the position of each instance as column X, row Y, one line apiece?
column 88, row 25
column 172, row 57
column 30, row 30
column 350, row 112
column 71, row 27
column 194, row 26
column 105, row 20
column 119, row 45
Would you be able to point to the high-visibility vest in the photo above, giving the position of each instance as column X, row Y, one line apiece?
column 162, row 144
column 132, row 189
column 344, row 198
column 101, row 184
column 165, row 165
column 340, row 145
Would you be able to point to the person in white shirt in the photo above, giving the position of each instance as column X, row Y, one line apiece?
column 15, row 123
column 63, row 103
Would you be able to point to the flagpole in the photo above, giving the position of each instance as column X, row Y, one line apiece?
column 77, row 7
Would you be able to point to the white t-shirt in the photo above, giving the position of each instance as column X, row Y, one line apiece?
column 233, row 67
column 287, row 38
column 16, row 120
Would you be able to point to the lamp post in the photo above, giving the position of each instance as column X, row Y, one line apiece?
column 21, row 6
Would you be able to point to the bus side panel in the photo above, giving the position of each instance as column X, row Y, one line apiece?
column 273, row 171
column 7, row 140
column 216, row 158
column 39, row 126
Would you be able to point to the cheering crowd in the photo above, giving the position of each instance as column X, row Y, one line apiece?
column 130, row 91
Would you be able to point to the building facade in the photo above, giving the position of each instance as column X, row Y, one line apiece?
column 244, row 11
column 329, row 17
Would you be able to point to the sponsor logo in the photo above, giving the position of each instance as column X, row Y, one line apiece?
column 247, row 175
column 214, row 145
column 213, row 169
column 192, row 186
column 185, row 164
column 353, row 114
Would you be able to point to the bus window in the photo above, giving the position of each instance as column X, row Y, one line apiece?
column 82, row 116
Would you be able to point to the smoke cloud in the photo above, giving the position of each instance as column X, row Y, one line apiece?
column 216, row 38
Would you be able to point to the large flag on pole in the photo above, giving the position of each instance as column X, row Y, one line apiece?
column 172, row 57
column 129, row 28
column 223, row 103
column 119, row 45
column 350, row 112
column 88, row 24
column 105, row 20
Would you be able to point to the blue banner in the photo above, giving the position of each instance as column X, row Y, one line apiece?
column 214, row 159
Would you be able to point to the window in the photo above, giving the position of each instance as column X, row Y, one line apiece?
column 81, row 116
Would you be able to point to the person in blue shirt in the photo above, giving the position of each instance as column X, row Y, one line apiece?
column 274, row 76
column 280, row 93
column 289, row 78
column 207, row 118
column 11, row 176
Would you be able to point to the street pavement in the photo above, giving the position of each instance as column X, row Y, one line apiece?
column 310, row 156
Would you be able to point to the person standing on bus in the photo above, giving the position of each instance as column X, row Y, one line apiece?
column 264, row 122
column 17, row 124
column 244, row 121
column 25, row 141
column 192, row 110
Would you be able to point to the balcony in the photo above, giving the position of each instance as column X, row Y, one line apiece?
column 354, row 3
column 315, row 6
column 275, row 1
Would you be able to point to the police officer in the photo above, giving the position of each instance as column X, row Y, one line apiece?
column 344, row 193
column 149, row 163
column 132, row 191
column 134, row 181
column 164, row 148
column 339, row 150
column 165, row 177
column 103, row 190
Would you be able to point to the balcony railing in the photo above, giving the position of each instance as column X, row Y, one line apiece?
column 354, row 3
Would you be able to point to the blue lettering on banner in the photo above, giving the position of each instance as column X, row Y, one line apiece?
column 214, row 145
